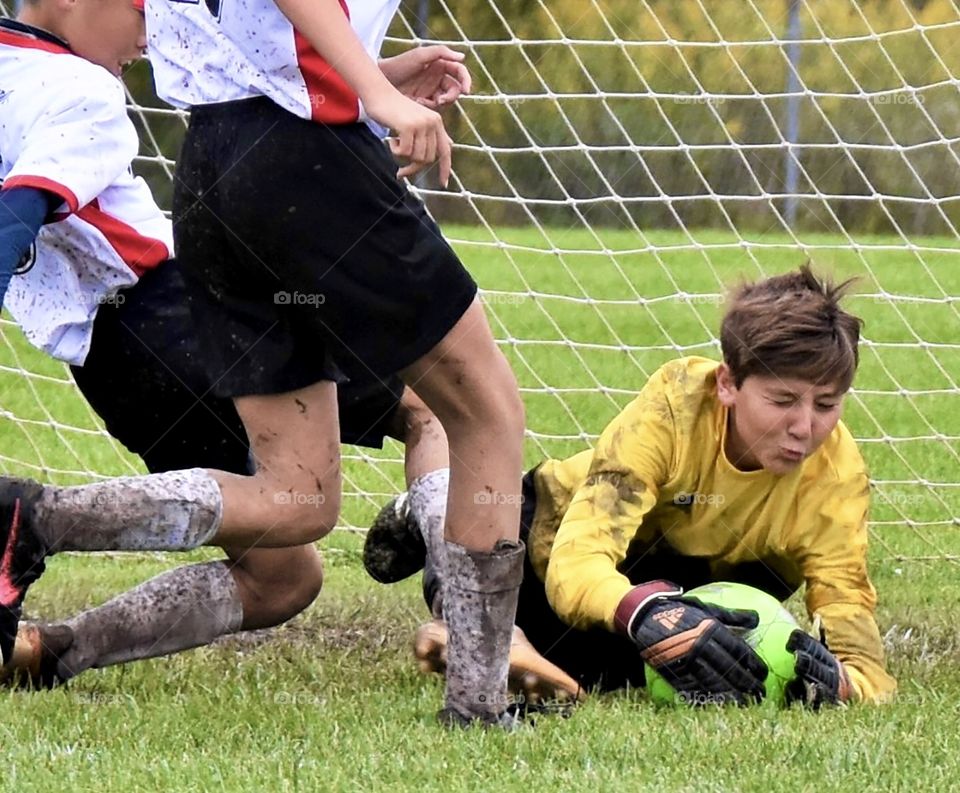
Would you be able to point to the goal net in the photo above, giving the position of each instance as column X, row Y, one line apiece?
column 617, row 164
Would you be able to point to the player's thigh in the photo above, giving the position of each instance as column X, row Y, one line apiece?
column 465, row 376
column 295, row 443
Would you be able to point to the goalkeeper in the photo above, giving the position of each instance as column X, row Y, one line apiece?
column 95, row 288
column 738, row 471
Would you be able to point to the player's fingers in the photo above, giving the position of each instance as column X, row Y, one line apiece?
column 421, row 148
column 459, row 73
column 402, row 146
column 799, row 640
column 742, row 660
column 410, row 169
column 718, row 688
column 449, row 90
column 438, row 52
column 734, row 618
column 444, row 156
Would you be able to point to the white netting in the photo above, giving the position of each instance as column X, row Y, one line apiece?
column 619, row 162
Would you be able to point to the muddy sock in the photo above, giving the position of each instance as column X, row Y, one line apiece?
column 427, row 502
column 184, row 608
column 173, row 511
column 480, row 605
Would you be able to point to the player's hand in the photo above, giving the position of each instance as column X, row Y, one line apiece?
column 821, row 678
column 691, row 645
column 434, row 76
column 420, row 138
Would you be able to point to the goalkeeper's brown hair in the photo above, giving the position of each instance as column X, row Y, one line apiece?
column 791, row 325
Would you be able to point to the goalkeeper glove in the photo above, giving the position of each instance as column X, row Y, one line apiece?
column 821, row 678
column 691, row 645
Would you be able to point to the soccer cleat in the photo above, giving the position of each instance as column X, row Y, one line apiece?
column 36, row 657
column 511, row 719
column 532, row 679
column 394, row 548
column 22, row 554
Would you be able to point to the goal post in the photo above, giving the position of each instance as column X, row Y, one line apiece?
column 617, row 164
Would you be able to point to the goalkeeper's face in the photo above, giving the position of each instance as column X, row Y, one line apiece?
column 776, row 422
column 110, row 33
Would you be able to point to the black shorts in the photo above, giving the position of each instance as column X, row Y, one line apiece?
column 145, row 379
column 306, row 256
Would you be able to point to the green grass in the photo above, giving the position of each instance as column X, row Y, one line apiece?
column 332, row 701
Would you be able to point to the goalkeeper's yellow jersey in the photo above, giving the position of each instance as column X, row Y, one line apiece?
column 659, row 476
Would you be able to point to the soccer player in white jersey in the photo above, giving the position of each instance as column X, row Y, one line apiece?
column 134, row 352
column 394, row 298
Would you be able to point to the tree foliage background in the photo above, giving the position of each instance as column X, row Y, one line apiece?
column 575, row 102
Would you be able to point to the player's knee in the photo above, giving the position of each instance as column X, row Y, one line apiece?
column 313, row 519
column 304, row 509
column 413, row 420
column 303, row 587
column 279, row 583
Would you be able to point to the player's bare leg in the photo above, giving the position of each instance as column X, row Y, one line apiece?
column 293, row 499
column 398, row 548
column 188, row 607
column 468, row 384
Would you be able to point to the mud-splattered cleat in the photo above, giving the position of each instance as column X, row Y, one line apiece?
column 36, row 657
column 394, row 548
column 532, row 679
column 22, row 554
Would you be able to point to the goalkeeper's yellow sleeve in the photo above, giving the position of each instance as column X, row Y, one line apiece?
column 833, row 558
column 632, row 457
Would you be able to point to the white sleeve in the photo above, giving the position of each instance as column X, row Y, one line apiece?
column 78, row 143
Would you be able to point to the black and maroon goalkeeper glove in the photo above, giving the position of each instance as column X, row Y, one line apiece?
column 691, row 645
column 821, row 678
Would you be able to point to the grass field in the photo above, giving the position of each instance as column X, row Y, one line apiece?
column 332, row 701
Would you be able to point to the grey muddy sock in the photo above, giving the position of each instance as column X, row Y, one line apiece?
column 427, row 502
column 480, row 606
column 184, row 608
column 172, row 511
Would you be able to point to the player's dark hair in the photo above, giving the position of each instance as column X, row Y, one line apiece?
column 791, row 325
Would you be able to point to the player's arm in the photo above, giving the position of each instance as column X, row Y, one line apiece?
column 839, row 592
column 631, row 459
column 433, row 76
column 688, row 642
column 421, row 137
column 22, row 212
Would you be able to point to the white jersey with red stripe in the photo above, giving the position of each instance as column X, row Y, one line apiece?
column 208, row 51
column 65, row 129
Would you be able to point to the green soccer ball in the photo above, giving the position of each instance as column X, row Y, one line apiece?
column 769, row 639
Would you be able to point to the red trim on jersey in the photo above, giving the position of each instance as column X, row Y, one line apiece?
column 139, row 253
column 332, row 101
column 20, row 40
column 42, row 183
